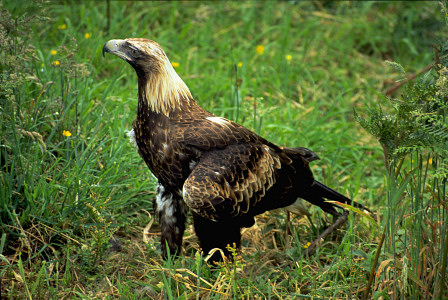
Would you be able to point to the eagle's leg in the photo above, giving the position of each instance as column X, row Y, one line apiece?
column 171, row 211
column 213, row 234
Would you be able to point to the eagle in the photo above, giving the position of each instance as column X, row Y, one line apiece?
column 222, row 172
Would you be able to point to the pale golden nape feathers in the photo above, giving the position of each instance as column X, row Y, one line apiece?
column 159, row 84
column 164, row 89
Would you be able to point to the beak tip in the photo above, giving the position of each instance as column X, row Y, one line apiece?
column 115, row 47
column 105, row 49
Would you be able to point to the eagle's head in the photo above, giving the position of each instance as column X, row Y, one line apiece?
column 145, row 56
column 159, row 85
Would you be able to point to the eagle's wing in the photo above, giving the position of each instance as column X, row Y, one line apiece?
column 226, row 183
column 210, row 133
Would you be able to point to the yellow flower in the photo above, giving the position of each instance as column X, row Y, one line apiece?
column 66, row 133
column 260, row 49
column 307, row 245
column 240, row 64
column 288, row 57
column 54, row 52
column 63, row 26
column 175, row 64
column 87, row 35
column 430, row 161
column 56, row 63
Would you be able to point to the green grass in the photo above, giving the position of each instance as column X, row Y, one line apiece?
column 64, row 197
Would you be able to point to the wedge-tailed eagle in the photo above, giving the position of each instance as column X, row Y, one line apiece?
column 219, row 170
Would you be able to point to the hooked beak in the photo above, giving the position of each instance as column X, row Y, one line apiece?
column 115, row 47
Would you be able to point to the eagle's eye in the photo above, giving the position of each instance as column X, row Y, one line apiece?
column 134, row 51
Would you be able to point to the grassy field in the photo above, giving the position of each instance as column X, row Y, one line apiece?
column 76, row 199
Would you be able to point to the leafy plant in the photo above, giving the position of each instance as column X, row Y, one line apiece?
column 414, row 138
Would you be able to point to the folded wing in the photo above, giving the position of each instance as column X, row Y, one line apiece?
column 227, row 183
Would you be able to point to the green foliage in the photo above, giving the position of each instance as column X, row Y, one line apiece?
column 414, row 138
column 55, row 152
column 418, row 121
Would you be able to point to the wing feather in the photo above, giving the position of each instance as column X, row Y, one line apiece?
column 210, row 133
column 228, row 182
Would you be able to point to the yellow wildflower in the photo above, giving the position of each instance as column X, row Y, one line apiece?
column 175, row 64
column 240, row 64
column 66, row 133
column 260, row 49
column 63, row 26
column 54, row 52
column 307, row 245
column 430, row 161
column 56, row 63
column 87, row 35
column 288, row 57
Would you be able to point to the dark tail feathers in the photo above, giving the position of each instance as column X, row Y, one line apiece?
column 319, row 191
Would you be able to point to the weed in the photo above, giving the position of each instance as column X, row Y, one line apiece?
column 414, row 141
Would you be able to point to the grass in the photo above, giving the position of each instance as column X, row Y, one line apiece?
column 63, row 197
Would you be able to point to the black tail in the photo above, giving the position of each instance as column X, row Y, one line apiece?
column 319, row 191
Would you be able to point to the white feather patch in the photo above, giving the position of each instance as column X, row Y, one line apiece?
column 166, row 205
column 131, row 135
column 192, row 164
column 218, row 120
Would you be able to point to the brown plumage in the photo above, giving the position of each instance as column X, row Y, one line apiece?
column 224, row 173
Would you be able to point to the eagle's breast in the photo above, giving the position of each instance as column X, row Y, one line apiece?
column 170, row 161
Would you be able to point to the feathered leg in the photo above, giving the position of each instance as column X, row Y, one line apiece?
column 171, row 211
column 213, row 234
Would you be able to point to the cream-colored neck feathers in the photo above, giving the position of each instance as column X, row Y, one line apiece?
column 165, row 91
